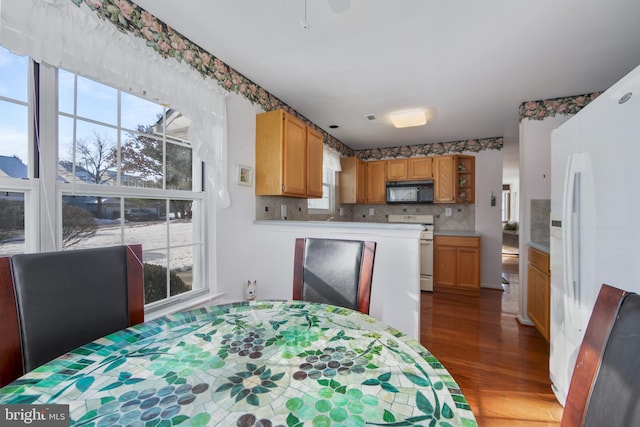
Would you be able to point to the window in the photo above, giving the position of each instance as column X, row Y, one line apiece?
column 325, row 204
column 126, row 174
column 14, row 150
column 506, row 205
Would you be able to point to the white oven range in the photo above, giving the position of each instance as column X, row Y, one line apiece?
column 426, row 245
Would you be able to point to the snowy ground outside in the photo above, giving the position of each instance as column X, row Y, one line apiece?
column 152, row 236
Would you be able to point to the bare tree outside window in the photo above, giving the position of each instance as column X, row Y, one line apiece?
column 97, row 156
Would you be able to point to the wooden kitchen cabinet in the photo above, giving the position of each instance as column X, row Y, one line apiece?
column 397, row 169
column 288, row 156
column 538, row 291
column 454, row 179
column 465, row 179
column 376, row 186
column 456, row 264
column 420, row 168
column 352, row 182
column 443, row 179
column 411, row 169
column 314, row 163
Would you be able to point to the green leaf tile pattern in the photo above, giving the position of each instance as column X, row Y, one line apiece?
column 278, row 363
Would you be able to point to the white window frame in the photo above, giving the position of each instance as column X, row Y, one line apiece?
column 328, row 188
column 50, row 196
column 30, row 186
column 122, row 61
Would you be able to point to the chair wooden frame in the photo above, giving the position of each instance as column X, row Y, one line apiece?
column 12, row 365
column 603, row 317
column 366, row 273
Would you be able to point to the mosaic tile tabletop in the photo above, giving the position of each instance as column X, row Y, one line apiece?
column 264, row 363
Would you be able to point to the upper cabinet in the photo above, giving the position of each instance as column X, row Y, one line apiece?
column 420, row 168
column 376, row 187
column 454, row 179
column 288, row 156
column 443, row 179
column 314, row 163
column 397, row 169
column 353, row 183
column 365, row 182
column 465, row 179
column 412, row 169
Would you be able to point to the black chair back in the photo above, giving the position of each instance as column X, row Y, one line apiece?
column 66, row 299
column 605, row 386
column 333, row 271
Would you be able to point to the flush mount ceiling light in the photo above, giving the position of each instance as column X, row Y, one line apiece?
column 409, row 118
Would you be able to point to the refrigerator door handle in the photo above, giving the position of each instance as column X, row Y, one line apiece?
column 567, row 226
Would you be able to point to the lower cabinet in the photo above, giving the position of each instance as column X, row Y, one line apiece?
column 456, row 264
column 538, row 291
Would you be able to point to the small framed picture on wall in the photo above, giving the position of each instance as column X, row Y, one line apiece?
column 245, row 175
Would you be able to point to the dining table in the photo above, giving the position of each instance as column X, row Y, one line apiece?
column 250, row 363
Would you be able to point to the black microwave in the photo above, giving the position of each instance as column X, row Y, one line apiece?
column 410, row 191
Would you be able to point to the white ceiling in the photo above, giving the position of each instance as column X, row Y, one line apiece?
column 472, row 62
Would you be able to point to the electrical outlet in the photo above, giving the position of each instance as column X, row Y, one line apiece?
column 371, row 211
column 447, row 211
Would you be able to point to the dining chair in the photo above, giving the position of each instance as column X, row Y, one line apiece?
column 54, row 302
column 605, row 385
column 334, row 271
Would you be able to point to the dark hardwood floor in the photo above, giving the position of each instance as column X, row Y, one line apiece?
column 500, row 365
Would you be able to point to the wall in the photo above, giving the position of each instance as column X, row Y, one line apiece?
column 488, row 221
column 535, row 184
column 235, row 251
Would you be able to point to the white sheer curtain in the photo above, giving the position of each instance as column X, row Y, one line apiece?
column 64, row 35
column 331, row 159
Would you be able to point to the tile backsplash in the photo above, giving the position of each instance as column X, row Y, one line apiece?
column 462, row 215
column 540, row 217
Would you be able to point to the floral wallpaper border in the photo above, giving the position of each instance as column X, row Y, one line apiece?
column 128, row 17
column 435, row 149
column 541, row 109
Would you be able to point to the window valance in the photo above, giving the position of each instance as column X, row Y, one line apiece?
column 62, row 34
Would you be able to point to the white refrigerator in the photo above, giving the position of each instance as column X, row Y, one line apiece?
column 595, row 216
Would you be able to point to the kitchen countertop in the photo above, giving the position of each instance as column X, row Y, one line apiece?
column 457, row 233
column 542, row 247
column 342, row 224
